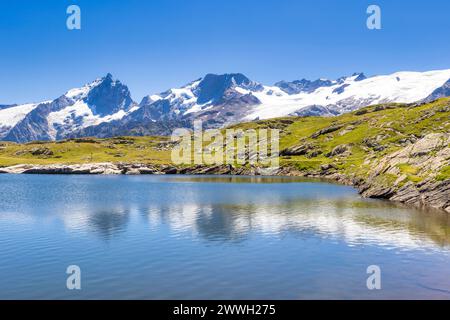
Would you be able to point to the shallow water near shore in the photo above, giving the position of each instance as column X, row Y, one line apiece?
column 213, row 237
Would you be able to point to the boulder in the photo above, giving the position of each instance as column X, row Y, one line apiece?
column 327, row 167
column 338, row 150
column 169, row 170
column 43, row 151
column 298, row 150
column 146, row 170
column 326, row 130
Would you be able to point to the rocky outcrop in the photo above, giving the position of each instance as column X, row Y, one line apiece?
column 340, row 150
column 298, row 150
column 436, row 194
column 134, row 169
column 410, row 175
column 92, row 168
column 327, row 130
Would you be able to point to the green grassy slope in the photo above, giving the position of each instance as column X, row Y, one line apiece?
column 367, row 134
column 87, row 150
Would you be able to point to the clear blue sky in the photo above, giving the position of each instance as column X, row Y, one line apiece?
column 154, row 45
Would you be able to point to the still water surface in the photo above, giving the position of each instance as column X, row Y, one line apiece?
column 181, row 237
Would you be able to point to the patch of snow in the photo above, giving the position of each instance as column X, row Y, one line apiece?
column 155, row 97
column 414, row 86
column 79, row 116
column 197, row 107
column 12, row 116
column 80, row 93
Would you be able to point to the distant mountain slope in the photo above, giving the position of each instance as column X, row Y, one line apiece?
column 104, row 107
column 4, row 106
column 10, row 116
column 441, row 92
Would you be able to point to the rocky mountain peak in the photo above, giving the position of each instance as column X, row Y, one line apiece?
column 359, row 76
column 213, row 87
column 303, row 85
column 108, row 96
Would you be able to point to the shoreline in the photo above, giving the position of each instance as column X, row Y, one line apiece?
column 427, row 194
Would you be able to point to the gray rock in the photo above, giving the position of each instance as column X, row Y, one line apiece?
column 338, row 150
column 169, row 170
column 327, row 167
column 298, row 150
column 327, row 130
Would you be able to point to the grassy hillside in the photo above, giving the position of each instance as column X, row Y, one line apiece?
column 352, row 143
column 359, row 138
column 86, row 150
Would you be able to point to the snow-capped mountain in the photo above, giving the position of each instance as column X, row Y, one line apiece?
column 102, row 100
column 348, row 93
column 104, row 107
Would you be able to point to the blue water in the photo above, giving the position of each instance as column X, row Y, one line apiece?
column 181, row 237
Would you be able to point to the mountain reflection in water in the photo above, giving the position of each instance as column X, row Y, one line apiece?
column 285, row 235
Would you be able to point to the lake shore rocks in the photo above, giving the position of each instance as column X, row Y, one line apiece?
column 429, row 193
column 411, row 175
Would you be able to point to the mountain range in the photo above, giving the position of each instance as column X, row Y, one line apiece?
column 104, row 107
